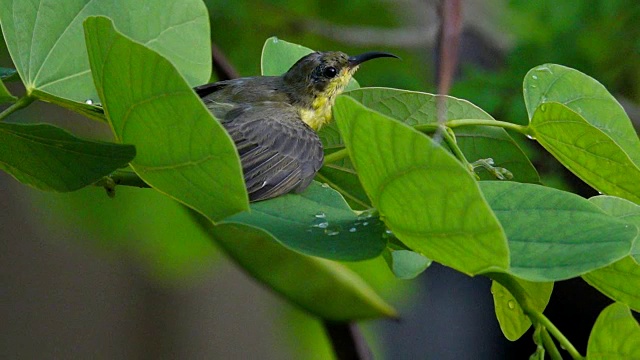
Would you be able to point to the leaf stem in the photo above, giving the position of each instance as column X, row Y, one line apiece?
column 120, row 177
column 19, row 104
column 536, row 317
column 525, row 130
column 336, row 156
column 548, row 343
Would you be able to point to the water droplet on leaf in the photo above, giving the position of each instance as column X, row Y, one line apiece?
column 534, row 77
column 89, row 102
column 321, row 215
column 511, row 304
column 352, row 229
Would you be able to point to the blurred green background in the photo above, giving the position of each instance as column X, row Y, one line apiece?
column 84, row 275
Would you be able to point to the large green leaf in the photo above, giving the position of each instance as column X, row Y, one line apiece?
column 587, row 151
column 513, row 321
column 425, row 196
column 619, row 280
column 318, row 222
column 625, row 210
column 615, row 335
column 49, row 158
column 5, row 95
column 477, row 142
column 587, row 97
column 555, row 235
column 182, row 150
column 406, row 264
column 47, row 45
column 322, row 287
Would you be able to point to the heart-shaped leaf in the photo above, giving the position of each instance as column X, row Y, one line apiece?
column 615, row 335
column 425, row 196
column 182, row 150
column 46, row 40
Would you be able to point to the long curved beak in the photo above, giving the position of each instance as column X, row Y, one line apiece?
column 359, row 59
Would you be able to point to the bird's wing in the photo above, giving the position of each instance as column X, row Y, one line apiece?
column 278, row 151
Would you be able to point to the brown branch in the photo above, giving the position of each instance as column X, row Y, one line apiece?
column 221, row 65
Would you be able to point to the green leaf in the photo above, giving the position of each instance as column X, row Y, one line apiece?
column 615, row 335
column 585, row 96
column 625, row 210
column 406, row 264
column 476, row 142
column 5, row 95
column 318, row 222
column 555, row 235
column 513, row 322
column 425, row 196
column 619, row 280
column 587, row 151
column 182, row 150
column 46, row 40
column 308, row 282
column 279, row 55
column 51, row 159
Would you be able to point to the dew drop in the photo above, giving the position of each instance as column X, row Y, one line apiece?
column 543, row 108
column 530, row 137
column 89, row 102
column 544, row 68
column 533, row 86
column 275, row 39
column 321, row 215
column 325, row 185
column 331, row 232
column 365, row 223
column 511, row 304
column 352, row 229
column 323, row 225
column 534, row 77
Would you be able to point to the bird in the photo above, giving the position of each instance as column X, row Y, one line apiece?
column 273, row 120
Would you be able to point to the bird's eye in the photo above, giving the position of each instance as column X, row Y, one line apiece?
column 330, row 72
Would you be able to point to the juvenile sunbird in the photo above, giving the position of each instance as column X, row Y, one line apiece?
column 273, row 119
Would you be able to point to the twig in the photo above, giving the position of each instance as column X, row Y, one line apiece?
column 221, row 65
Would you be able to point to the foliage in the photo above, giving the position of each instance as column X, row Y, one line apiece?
column 408, row 159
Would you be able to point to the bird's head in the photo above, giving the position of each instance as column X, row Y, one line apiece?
column 325, row 74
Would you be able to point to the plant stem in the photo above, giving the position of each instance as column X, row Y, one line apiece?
column 453, row 145
column 554, row 354
column 336, row 156
column 536, row 317
column 347, row 341
column 19, row 104
column 525, row 130
column 120, row 177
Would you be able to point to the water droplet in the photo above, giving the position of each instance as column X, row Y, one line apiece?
column 89, row 102
column 543, row 108
column 543, row 99
column 531, row 137
column 321, row 215
column 579, row 110
column 325, row 185
column 275, row 39
column 323, row 225
column 511, row 304
column 534, row 77
column 533, row 86
column 352, row 229
column 544, row 68
column 365, row 223
column 331, row 232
